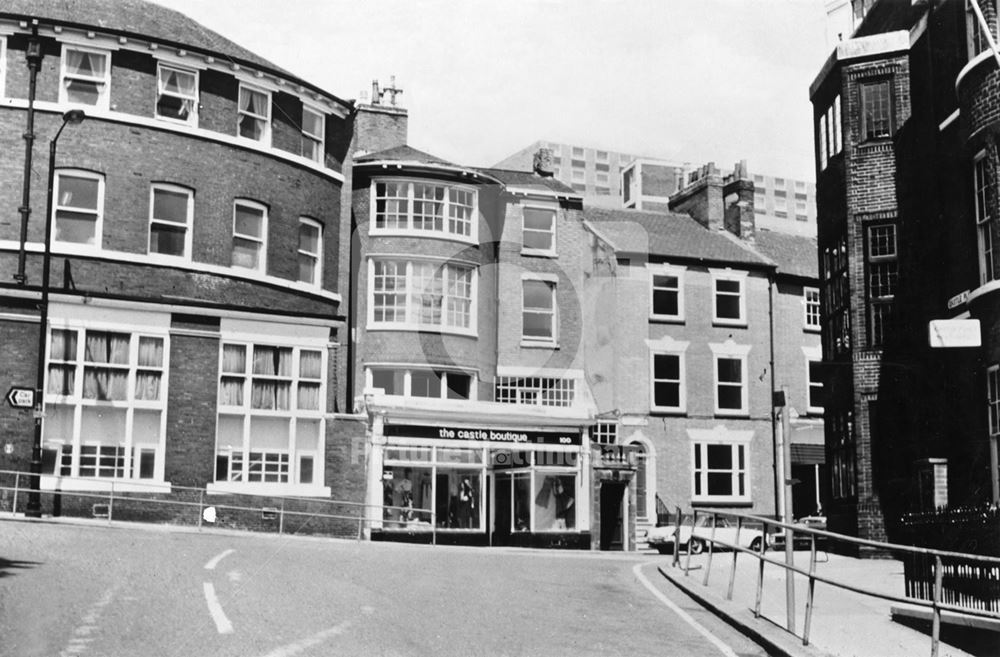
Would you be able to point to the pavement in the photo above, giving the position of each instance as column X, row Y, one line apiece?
column 844, row 623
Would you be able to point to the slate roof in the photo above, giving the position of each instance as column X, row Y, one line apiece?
column 405, row 153
column 135, row 18
column 671, row 235
column 530, row 180
column 794, row 254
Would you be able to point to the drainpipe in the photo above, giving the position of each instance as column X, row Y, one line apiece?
column 778, row 476
column 34, row 57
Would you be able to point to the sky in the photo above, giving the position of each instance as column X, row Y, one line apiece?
column 687, row 80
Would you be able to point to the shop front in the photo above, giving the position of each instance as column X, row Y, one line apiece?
column 485, row 477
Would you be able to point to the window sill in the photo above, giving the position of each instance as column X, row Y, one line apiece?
column 266, row 489
column 655, row 410
column 64, row 484
column 739, row 323
column 725, row 413
column 666, row 319
column 413, row 328
column 539, row 253
column 721, row 501
column 812, row 329
column 528, row 344
column 427, row 234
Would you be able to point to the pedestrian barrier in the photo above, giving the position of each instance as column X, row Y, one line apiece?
column 197, row 506
column 946, row 589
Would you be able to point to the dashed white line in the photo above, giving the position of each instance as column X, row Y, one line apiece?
column 716, row 641
column 214, row 561
column 215, row 609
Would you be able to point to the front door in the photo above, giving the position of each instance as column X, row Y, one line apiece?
column 501, row 511
column 612, row 509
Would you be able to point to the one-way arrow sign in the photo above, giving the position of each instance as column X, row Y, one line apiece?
column 21, row 397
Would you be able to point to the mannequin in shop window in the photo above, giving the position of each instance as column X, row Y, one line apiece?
column 466, row 503
column 404, row 491
column 565, row 513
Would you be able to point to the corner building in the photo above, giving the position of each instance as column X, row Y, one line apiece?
column 196, row 308
column 906, row 126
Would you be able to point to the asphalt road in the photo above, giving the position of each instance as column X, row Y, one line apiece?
column 133, row 591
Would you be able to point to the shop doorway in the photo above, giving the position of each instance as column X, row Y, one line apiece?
column 612, row 514
column 501, row 511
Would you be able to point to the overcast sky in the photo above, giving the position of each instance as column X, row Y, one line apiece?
column 688, row 80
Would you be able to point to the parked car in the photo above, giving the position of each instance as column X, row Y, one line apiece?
column 662, row 538
column 802, row 540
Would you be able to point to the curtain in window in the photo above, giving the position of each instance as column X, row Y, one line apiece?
column 272, row 361
column 62, row 345
column 102, row 347
column 60, row 379
column 147, row 385
column 271, row 395
column 309, row 396
column 231, row 392
column 105, row 384
column 310, row 364
column 150, row 352
column 234, row 359
column 88, row 64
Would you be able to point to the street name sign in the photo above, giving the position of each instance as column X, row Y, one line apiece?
column 945, row 333
column 19, row 397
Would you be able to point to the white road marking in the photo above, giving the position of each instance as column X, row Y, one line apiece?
column 81, row 640
column 214, row 561
column 308, row 642
column 234, row 576
column 716, row 641
column 215, row 609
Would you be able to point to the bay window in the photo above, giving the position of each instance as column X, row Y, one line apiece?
column 418, row 294
column 422, row 208
column 422, row 382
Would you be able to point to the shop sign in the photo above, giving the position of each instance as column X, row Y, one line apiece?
column 483, row 434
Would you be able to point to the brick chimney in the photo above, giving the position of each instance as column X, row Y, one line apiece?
column 542, row 163
column 718, row 202
column 380, row 124
column 737, row 192
column 702, row 197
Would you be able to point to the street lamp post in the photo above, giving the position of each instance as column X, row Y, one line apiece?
column 34, row 508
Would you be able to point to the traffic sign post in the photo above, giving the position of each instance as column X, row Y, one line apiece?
column 21, row 397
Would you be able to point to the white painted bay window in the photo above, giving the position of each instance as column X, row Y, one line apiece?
column 177, row 94
column 421, row 295
column 415, row 381
column 420, row 208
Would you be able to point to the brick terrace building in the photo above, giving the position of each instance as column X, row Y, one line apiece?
column 695, row 316
column 197, row 313
column 907, row 190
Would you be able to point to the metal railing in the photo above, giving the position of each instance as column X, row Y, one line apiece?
column 940, row 599
column 276, row 508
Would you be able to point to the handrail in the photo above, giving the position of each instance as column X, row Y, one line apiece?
column 935, row 603
column 142, row 496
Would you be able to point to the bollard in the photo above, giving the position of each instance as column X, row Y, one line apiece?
column 201, row 507
column 760, row 580
column 677, row 536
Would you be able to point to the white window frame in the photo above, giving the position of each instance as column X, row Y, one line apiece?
column 265, row 137
column 63, row 246
column 408, row 370
column 539, row 389
column 410, row 322
column 293, row 415
column 812, row 355
column 192, row 119
column 530, row 251
column 261, row 240
column 729, row 275
column 407, row 218
column 682, row 387
column 104, row 89
column 731, row 351
column 3, row 66
column 985, row 247
column 553, row 285
column 736, row 440
column 188, row 225
column 666, row 270
column 317, row 269
column 318, row 141
column 77, row 401
column 811, row 309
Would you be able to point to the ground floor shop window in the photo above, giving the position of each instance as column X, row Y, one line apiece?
column 535, row 491
column 424, row 487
